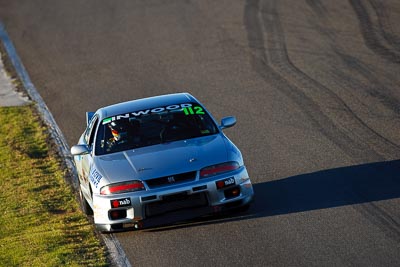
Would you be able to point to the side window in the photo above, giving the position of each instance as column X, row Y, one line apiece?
column 90, row 131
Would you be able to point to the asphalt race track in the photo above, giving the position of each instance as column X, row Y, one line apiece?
column 314, row 84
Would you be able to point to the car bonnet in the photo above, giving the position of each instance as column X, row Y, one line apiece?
column 163, row 159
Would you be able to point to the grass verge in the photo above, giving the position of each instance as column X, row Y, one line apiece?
column 40, row 223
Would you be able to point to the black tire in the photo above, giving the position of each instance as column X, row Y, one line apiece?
column 84, row 204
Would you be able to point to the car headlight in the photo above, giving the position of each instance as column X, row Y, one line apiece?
column 124, row 187
column 218, row 169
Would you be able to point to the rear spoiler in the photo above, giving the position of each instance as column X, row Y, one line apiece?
column 89, row 116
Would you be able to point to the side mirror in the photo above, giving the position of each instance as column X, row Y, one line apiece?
column 79, row 150
column 228, row 122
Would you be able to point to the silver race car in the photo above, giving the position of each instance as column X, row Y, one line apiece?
column 157, row 161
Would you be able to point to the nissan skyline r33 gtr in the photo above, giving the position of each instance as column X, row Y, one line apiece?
column 158, row 160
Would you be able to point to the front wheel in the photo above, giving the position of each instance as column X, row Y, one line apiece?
column 84, row 204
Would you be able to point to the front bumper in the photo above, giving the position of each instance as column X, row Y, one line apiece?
column 173, row 203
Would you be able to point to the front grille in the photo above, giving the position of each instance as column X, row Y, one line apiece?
column 176, row 202
column 171, row 179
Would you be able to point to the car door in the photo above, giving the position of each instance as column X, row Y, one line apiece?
column 87, row 159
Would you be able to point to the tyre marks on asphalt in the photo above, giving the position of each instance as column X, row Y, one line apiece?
column 376, row 213
column 376, row 29
column 368, row 85
column 386, row 25
column 324, row 107
column 265, row 62
column 328, row 112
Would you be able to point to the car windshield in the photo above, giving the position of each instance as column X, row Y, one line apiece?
column 153, row 126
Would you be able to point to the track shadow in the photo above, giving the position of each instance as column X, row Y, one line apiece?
column 328, row 188
column 313, row 191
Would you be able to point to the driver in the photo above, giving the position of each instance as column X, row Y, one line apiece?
column 119, row 132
